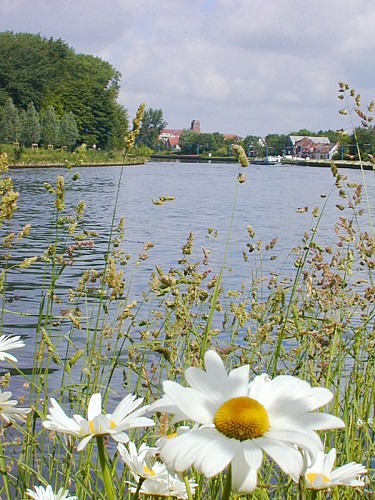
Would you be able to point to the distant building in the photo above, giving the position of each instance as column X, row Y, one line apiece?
column 170, row 138
column 196, row 126
column 317, row 148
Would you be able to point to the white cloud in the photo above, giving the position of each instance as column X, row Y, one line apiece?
column 241, row 66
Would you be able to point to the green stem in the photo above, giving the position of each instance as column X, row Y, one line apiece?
column 106, row 472
column 301, row 490
column 139, row 485
column 187, row 486
column 228, row 485
column 3, row 469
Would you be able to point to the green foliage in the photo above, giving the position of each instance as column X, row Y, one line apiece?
column 151, row 126
column 192, row 142
column 68, row 131
column 30, row 126
column 9, row 122
column 49, row 127
column 252, row 145
column 276, row 143
column 46, row 72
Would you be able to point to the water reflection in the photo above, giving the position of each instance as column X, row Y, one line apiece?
column 204, row 198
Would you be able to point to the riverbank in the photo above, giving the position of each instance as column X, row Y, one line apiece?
column 366, row 165
column 127, row 163
column 232, row 159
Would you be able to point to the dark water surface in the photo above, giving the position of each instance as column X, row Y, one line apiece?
column 204, row 197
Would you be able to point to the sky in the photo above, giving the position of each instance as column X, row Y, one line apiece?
column 246, row 67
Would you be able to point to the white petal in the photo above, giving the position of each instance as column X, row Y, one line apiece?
column 308, row 440
column 328, row 462
column 284, row 387
column 195, row 448
column 215, row 382
column 320, row 421
column 126, row 406
column 284, row 454
column 194, row 404
column 347, row 473
column 216, row 454
column 58, row 420
column 7, row 355
column 239, row 381
column 319, row 396
column 120, row 437
column 100, row 424
column 244, row 477
column 252, row 453
column 163, row 405
column 211, row 380
column 84, row 442
column 137, row 422
column 95, row 406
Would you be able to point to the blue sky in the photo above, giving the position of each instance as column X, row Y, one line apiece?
column 238, row 66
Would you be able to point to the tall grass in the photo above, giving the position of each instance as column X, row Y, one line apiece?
column 317, row 324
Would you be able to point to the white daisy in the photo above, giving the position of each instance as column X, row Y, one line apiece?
column 321, row 476
column 156, row 480
column 8, row 410
column 126, row 416
column 42, row 493
column 140, row 462
column 9, row 342
column 172, row 486
column 238, row 421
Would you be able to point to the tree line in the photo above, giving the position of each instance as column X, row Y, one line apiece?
column 27, row 127
column 45, row 77
column 192, row 142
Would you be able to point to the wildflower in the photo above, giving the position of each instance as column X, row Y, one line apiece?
column 42, row 493
column 238, row 421
column 140, row 462
column 171, row 486
column 126, row 416
column 9, row 342
column 321, row 476
column 8, row 412
column 153, row 474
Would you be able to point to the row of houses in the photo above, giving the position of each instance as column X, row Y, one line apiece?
column 318, row 148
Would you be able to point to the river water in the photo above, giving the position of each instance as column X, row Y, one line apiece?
column 277, row 201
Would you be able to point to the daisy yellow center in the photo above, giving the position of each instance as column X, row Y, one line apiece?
column 312, row 476
column 147, row 470
column 242, row 418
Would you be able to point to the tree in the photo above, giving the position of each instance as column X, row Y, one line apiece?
column 9, row 122
column 189, row 141
column 69, row 133
column 277, row 144
column 252, row 145
column 120, row 125
column 49, row 127
column 30, row 126
column 152, row 125
column 49, row 73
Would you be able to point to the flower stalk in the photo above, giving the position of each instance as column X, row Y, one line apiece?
column 228, row 485
column 106, row 473
column 139, row 486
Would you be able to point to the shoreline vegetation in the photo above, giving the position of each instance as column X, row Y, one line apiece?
column 221, row 393
column 141, row 160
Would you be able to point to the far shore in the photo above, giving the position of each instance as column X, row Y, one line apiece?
column 366, row 165
column 197, row 159
column 84, row 164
